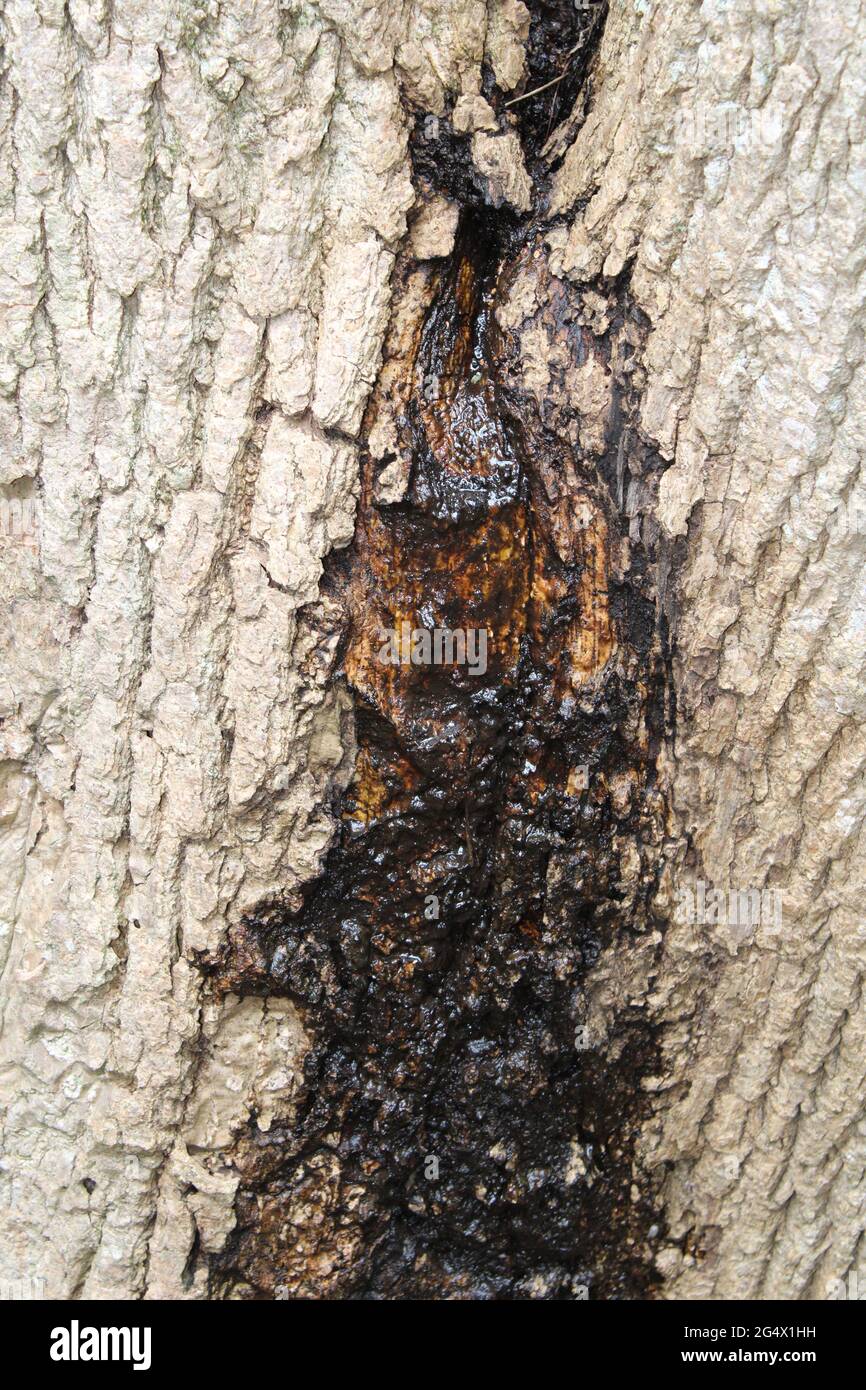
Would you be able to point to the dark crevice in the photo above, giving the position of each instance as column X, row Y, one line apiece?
column 562, row 42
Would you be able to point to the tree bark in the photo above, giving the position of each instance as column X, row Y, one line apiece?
column 226, row 234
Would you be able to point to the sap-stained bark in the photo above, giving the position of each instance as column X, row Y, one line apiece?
column 501, row 828
column 204, row 225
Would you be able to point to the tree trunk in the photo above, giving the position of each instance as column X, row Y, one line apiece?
column 331, row 967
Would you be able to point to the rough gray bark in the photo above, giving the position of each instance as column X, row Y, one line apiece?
column 747, row 262
column 200, row 215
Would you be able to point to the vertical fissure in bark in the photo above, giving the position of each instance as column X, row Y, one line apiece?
column 562, row 41
column 459, row 1131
